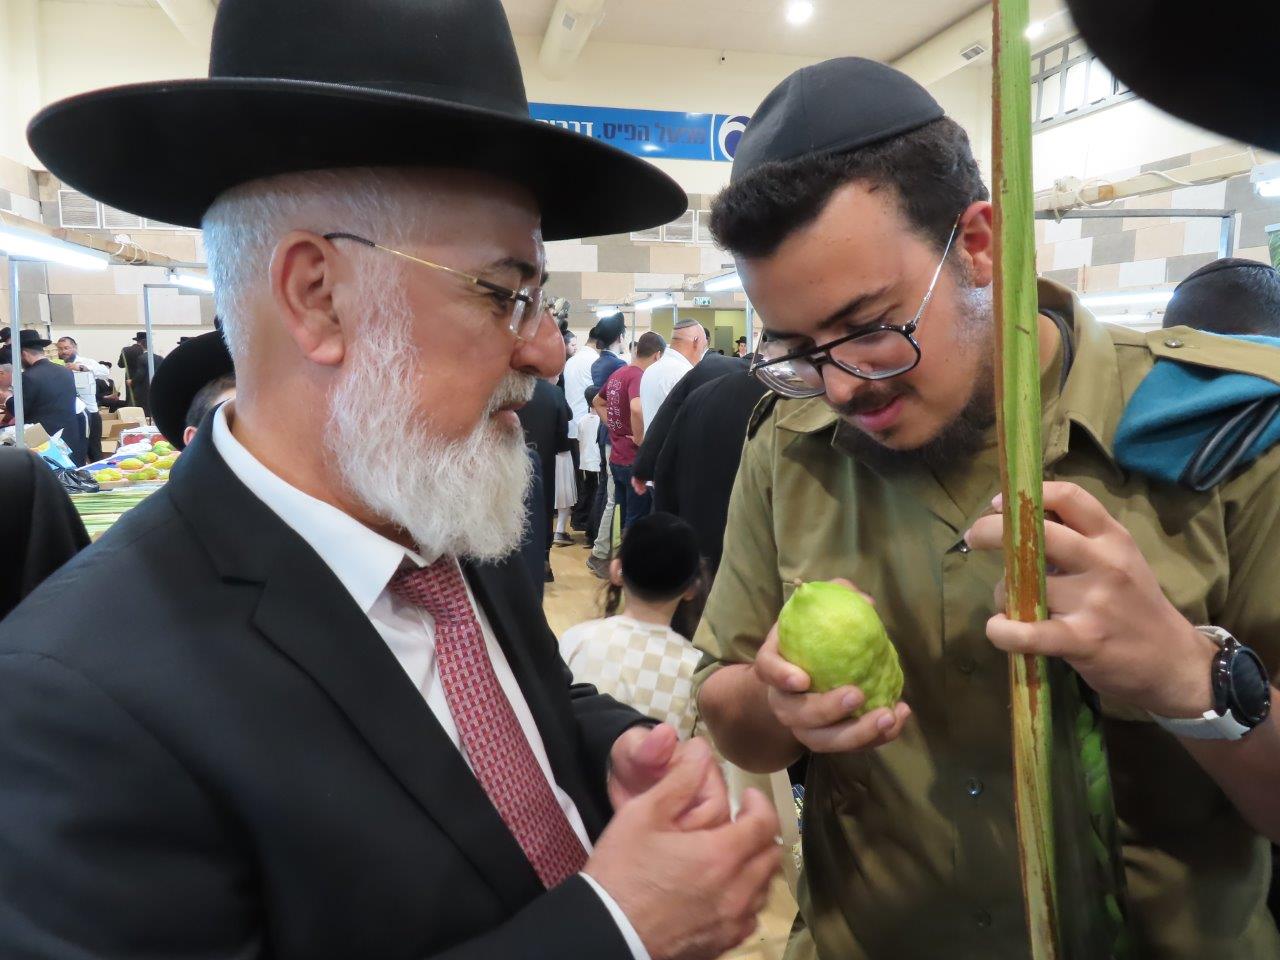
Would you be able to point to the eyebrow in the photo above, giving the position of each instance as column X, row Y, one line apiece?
column 526, row 269
column 841, row 315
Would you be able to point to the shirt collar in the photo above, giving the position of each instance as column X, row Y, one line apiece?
column 362, row 560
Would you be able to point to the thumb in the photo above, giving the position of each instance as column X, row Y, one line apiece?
column 675, row 792
column 656, row 749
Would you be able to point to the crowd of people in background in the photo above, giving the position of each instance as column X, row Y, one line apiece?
column 64, row 391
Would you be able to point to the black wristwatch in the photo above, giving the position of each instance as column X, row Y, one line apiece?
column 1241, row 693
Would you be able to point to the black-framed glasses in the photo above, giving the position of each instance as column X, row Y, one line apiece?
column 525, row 305
column 871, row 353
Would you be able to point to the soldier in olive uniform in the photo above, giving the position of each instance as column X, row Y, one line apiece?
column 864, row 239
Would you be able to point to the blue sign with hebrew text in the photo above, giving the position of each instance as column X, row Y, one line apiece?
column 655, row 134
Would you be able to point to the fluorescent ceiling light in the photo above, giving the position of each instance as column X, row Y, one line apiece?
column 191, row 282
column 1117, row 299
column 656, row 302
column 799, row 12
column 1036, row 30
column 1268, row 188
column 23, row 243
column 602, row 312
column 730, row 281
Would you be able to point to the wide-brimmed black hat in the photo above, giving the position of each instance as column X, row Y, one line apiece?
column 189, row 368
column 1216, row 70
column 31, row 340
column 339, row 83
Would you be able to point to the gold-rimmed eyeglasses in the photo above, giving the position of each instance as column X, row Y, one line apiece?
column 525, row 305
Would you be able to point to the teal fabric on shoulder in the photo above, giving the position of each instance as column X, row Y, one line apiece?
column 1194, row 425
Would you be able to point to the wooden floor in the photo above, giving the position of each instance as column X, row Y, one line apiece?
column 577, row 595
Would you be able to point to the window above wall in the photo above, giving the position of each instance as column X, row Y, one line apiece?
column 692, row 226
column 1068, row 82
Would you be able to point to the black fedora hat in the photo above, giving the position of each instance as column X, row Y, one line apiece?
column 338, row 83
column 1215, row 69
column 31, row 340
column 185, row 372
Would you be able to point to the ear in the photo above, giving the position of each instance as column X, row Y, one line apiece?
column 615, row 572
column 304, row 270
column 976, row 240
column 188, row 434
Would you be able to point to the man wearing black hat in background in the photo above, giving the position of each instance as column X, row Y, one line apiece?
column 48, row 394
column 863, row 235
column 344, row 729
column 128, row 362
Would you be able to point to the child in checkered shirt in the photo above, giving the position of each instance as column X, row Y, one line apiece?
column 643, row 656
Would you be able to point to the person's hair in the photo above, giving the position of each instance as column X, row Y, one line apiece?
column 70, row 340
column 590, row 394
column 244, row 224
column 206, row 397
column 1228, row 296
column 6, row 368
column 931, row 171
column 649, row 344
column 660, row 561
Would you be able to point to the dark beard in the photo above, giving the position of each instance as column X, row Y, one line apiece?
column 959, row 441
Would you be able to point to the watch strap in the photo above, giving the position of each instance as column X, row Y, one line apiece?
column 1211, row 726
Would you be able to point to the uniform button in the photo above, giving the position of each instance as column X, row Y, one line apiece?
column 1173, row 343
column 973, row 787
column 982, row 919
column 964, row 547
column 966, row 665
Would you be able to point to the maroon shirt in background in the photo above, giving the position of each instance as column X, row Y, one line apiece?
column 619, row 390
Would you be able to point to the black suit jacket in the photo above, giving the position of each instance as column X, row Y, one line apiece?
column 545, row 419
column 49, row 399
column 712, row 366
column 208, row 752
column 699, row 461
column 39, row 526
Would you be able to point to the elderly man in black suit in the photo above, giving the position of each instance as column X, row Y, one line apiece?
column 48, row 394
column 339, row 726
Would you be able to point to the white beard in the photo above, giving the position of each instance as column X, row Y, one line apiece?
column 462, row 497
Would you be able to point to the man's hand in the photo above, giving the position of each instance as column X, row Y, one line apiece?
column 823, row 722
column 689, row 895
column 1108, row 616
column 642, row 756
column 639, row 486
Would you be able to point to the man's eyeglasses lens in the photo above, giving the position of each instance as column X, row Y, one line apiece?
column 526, row 312
column 876, row 355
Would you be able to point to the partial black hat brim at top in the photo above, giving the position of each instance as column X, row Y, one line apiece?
column 167, row 150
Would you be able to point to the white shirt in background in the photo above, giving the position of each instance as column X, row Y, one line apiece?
column 577, row 377
column 364, row 562
column 589, row 443
column 659, row 380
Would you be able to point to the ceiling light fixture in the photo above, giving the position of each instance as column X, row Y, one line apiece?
column 603, row 312
column 799, row 12
column 1158, row 297
column 1266, row 179
column 35, row 246
column 730, row 281
column 1036, row 30
column 190, row 282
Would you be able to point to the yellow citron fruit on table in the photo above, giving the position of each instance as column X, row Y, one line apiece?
column 838, row 639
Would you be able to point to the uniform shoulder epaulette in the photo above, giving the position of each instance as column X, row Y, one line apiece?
column 761, row 413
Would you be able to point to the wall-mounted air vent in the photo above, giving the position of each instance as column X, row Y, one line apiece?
column 78, row 211
column 974, row 51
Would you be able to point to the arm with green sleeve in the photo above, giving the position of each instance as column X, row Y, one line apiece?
column 741, row 610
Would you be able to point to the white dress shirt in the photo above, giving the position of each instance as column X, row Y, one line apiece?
column 364, row 562
column 659, row 380
column 577, row 377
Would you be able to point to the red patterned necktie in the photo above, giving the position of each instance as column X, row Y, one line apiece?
column 498, row 749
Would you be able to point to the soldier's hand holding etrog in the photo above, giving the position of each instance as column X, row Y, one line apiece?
column 833, row 636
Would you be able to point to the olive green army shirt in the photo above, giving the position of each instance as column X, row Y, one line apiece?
column 909, row 850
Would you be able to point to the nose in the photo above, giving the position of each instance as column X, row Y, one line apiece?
column 542, row 354
column 841, row 387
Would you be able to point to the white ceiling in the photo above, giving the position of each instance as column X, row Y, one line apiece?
column 869, row 28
